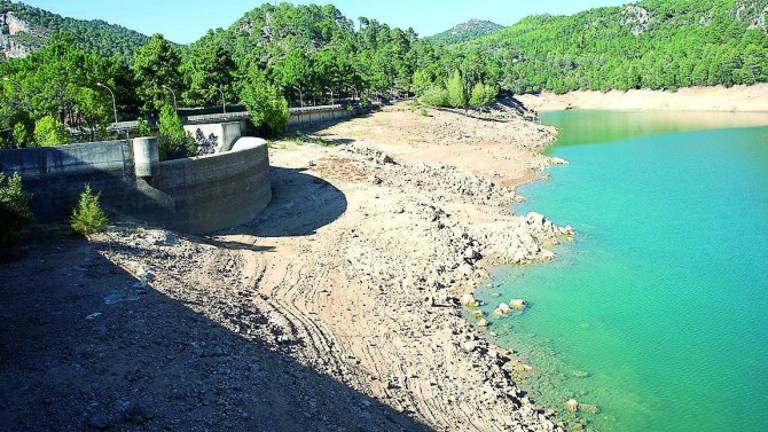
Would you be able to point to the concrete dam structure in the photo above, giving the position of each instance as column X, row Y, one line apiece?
column 196, row 195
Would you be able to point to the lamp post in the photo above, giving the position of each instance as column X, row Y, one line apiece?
column 114, row 107
column 175, row 107
column 223, row 99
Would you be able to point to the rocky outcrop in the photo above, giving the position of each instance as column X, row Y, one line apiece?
column 636, row 18
column 16, row 39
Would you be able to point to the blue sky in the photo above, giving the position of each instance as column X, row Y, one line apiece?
column 184, row 21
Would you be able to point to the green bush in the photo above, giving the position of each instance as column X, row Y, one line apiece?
column 173, row 142
column 143, row 128
column 483, row 95
column 435, row 96
column 88, row 217
column 21, row 136
column 266, row 103
column 457, row 92
column 14, row 208
column 50, row 132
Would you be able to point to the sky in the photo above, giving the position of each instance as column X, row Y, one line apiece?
column 184, row 21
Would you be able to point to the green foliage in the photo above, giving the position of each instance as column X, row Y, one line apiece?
column 482, row 95
column 457, row 91
column 88, row 217
column 265, row 102
column 435, row 96
column 96, row 36
column 465, row 32
column 21, row 136
column 14, row 207
column 156, row 66
column 173, row 142
column 656, row 44
column 58, row 81
column 208, row 69
column 143, row 128
column 50, row 132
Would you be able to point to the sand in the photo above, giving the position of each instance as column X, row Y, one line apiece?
column 339, row 308
column 735, row 99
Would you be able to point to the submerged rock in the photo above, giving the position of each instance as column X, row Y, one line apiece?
column 572, row 405
column 519, row 304
column 503, row 309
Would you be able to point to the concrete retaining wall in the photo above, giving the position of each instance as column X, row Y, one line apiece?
column 196, row 195
column 221, row 135
column 303, row 117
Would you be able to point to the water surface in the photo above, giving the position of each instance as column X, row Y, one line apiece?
column 663, row 298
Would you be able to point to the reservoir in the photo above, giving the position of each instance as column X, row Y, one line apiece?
column 657, row 313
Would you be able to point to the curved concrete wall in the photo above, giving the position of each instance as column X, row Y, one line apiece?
column 209, row 193
column 196, row 195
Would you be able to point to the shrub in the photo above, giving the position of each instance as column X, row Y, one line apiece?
column 435, row 96
column 457, row 92
column 143, row 128
column 365, row 103
column 14, row 208
column 483, row 95
column 21, row 136
column 88, row 217
column 424, row 112
column 266, row 103
column 173, row 141
column 50, row 132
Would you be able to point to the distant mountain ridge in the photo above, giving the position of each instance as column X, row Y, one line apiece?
column 24, row 29
column 656, row 44
column 465, row 32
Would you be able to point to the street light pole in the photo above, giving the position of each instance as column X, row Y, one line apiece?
column 175, row 107
column 223, row 99
column 114, row 107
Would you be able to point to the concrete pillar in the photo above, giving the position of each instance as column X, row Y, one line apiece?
column 146, row 159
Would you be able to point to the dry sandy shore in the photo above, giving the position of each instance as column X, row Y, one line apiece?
column 734, row 99
column 338, row 309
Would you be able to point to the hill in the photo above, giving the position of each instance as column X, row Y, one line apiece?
column 465, row 32
column 657, row 44
column 24, row 29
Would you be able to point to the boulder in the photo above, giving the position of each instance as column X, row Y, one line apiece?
column 503, row 309
column 572, row 405
column 518, row 304
column 468, row 300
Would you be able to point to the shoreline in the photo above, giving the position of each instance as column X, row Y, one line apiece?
column 751, row 99
column 355, row 272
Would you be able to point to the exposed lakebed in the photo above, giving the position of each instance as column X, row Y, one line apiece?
column 657, row 312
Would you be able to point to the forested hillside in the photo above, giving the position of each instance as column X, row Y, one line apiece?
column 314, row 51
column 657, row 44
column 281, row 55
column 24, row 29
column 465, row 32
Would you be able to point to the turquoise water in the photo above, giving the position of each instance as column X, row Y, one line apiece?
column 663, row 297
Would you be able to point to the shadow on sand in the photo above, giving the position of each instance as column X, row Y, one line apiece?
column 301, row 204
column 152, row 363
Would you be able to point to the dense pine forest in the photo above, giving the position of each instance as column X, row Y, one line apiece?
column 277, row 56
column 657, row 44
column 465, row 32
column 95, row 36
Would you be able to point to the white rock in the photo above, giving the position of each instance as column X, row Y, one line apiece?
column 572, row 405
column 519, row 304
column 468, row 300
column 503, row 309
